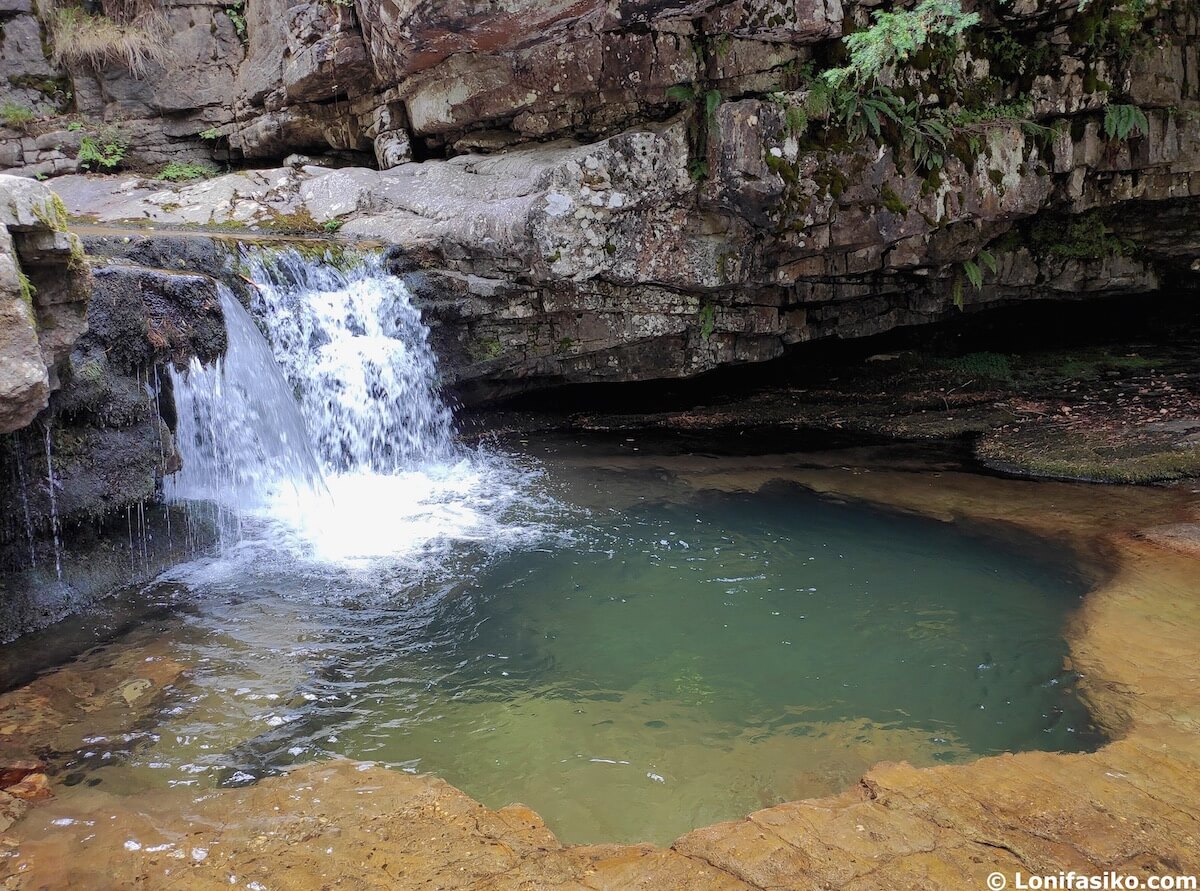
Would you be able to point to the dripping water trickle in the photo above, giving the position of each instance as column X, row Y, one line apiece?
column 50, row 487
column 129, row 529
column 156, row 419
column 19, row 446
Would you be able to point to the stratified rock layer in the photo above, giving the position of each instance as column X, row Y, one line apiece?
column 566, row 263
column 634, row 190
column 85, row 409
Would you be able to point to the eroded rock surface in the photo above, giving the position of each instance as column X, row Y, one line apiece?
column 86, row 411
column 565, row 263
column 623, row 191
column 43, row 298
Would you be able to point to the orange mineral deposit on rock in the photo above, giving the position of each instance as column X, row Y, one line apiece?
column 34, row 787
column 13, row 772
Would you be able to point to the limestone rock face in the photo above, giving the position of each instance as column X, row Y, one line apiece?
column 618, row 190
column 30, row 79
column 143, row 318
column 201, row 55
column 562, row 262
column 86, row 408
column 327, row 56
column 24, row 386
column 261, row 77
column 43, row 298
column 112, row 406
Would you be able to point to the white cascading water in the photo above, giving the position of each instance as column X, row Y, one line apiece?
column 357, row 352
column 326, row 440
column 239, row 425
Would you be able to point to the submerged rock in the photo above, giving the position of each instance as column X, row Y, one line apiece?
column 13, row 772
column 11, row 810
column 32, row 787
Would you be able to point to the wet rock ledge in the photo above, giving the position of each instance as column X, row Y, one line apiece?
column 86, row 413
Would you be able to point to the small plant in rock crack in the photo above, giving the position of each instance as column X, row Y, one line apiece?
column 17, row 117
column 972, row 270
column 708, row 321
column 1123, row 121
column 104, row 151
column 237, row 17
column 179, row 171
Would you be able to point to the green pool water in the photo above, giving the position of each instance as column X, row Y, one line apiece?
column 682, row 663
column 634, row 637
column 656, row 659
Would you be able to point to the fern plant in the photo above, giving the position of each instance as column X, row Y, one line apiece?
column 925, row 138
column 702, row 124
column 681, row 93
column 814, row 103
column 103, row 152
column 895, row 37
column 1121, row 121
column 865, row 106
column 712, row 101
column 859, row 97
column 708, row 321
column 973, row 271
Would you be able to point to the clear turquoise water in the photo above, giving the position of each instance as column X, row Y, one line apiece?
column 688, row 662
column 661, row 661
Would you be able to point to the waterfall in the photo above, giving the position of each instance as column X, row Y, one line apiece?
column 322, row 438
column 357, row 352
column 239, row 425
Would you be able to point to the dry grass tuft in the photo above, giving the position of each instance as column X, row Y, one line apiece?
column 133, row 37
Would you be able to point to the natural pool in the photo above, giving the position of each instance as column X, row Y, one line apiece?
column 645, row 658
column 578, row 625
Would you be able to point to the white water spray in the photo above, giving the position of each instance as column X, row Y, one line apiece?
column 326, row 441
